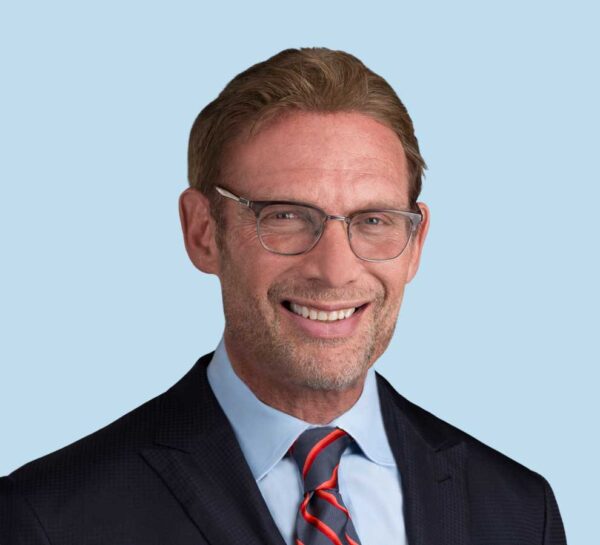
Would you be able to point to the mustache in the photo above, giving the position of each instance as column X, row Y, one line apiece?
column 293, row 289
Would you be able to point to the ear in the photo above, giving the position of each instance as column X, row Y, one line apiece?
column 418, row 242
column 199, row 231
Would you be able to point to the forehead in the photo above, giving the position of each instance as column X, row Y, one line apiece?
column 342, row 158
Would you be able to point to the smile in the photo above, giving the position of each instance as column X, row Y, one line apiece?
column 322, row 315
column 326, row 323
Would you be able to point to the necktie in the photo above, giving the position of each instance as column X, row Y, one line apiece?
column 322, row 519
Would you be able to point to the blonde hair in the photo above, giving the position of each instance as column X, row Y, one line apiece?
column 306, row 80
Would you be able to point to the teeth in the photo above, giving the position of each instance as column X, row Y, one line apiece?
column 321, row 315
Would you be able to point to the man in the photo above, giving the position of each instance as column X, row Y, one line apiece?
column 305, row 174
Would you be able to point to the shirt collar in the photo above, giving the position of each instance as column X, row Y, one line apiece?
column 265, row 434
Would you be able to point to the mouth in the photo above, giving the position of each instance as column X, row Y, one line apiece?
column 325, row 321
column 322, row 314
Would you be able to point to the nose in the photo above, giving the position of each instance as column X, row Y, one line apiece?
column 331, row 261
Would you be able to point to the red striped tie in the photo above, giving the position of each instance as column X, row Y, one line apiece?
column 323, row 518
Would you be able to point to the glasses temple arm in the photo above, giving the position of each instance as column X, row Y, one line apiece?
column 233, row 197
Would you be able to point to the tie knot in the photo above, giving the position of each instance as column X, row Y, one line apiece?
column 317, row 452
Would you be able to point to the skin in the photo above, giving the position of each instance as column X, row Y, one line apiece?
column 341, row 162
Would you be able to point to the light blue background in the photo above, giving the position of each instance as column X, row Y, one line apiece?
column 498, row 333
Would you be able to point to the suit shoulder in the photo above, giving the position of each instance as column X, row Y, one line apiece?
column 127, row 433
column 114, row 439
column 108, row 453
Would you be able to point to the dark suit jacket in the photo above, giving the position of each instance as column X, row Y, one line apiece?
column 172, row 473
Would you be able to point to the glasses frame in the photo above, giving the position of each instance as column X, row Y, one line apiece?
column 257, row 206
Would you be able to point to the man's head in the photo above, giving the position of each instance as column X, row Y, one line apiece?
column 317, row 127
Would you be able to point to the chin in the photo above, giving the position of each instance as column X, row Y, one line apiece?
column 337, row 372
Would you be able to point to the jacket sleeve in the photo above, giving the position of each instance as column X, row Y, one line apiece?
column 19, row 524
column 554, row 532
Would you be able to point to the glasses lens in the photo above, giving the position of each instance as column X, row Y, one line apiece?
column 380, row 235
column 288, row 229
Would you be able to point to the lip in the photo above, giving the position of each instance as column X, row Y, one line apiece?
column 327, row 307
column 327, row 330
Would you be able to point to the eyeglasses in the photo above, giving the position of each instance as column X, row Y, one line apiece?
column 293, row 228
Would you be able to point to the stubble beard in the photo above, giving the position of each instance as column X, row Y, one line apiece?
column 293, row 359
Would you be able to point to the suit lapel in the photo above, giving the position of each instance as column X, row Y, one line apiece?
column 199, row 459
column 432, row 464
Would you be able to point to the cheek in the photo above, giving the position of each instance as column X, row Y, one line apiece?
column 394, row 285
column 250, row 274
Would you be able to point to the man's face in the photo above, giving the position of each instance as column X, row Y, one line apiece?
column 342, row 163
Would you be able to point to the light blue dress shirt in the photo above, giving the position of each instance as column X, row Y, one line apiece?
column 368, row 478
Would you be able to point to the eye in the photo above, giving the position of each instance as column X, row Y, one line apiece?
column 284, row 218
column 380, row 223
column 285, row 215
column 373, row 220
